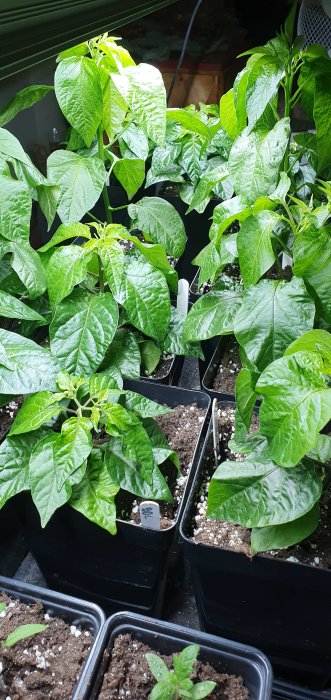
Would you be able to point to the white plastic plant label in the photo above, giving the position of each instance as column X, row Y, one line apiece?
column 287, row 261
column 182, row 298
column 150, row 515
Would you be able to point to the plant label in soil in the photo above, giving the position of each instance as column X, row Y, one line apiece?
column 182, row 298
column 150, row 515
column 287, row 261
column 214, row 422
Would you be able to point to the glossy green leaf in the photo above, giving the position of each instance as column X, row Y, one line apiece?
column 145, row 297
column 12, row 151
column 175, row 342
column 130, row 173
column 255, row 160
column 210, row 263
column 137, row 447
column 284, row 412
column 190, row 157
column 144, row 407
column 206, row 184
column 113, row 262
column 115, row 108
column 150, row 355
column 15, row 210
column 34, row 367
column 161, row 221
column 125, row 473
column 228, row 114
column 189, row 121
column 72, row 448
column 312, row 261
column 286, row 535
column 322, row 118
column 157, row 667
column 23, row 99
column 14, row 463
column 156, row 255
column 148, row 100
column 48, row 197
column 124, row 354
column 273, row 313
column 10, row 307
column 184, row 662
column 227, row 212
column 66, row 268
column 27, row 264
column 94, row 496
column 213, row 314
column 80, row 181
column 263, row 83
column 35, row 411
column 133, row 143
column 64, row 233
column 254, row 242
column 45, row 493
column 317, row 340
column 82, row 328
column 78, row 92
column 255, row 492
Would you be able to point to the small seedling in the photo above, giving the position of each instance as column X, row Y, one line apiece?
column 176, row 684
column 20, row 632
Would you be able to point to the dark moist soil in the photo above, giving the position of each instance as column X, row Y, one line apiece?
column 313, row 551
column 273, row 273
column 46, row 665
column 181, row 428
column 162, row 369
column 232, row 270
column 229, row 368
column 7, row 415
column 128, row 675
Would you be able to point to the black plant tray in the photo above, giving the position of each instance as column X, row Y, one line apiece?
column 126, row 571
column 289, row 691
column 170, row 376
column 72, row 610
column 283, row 608
column 166, row 638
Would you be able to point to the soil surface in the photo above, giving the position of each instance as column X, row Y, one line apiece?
column 46, row 665
column 313, row 551
column 7, row 415
column 228, row 370
column 162, row 369
column 128, row 674
column 181, row 428
column 232, row 270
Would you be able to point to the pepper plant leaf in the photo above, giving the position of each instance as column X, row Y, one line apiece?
column 23, row 99
column 124, row 471
column 124, row 354
column 14, row 463
column 66, row 268
column 82, row 328
column 145, row 297
column 130, row 172
column 147, row 100
column 10, row 307
column 15, row 210
column 272, row 315
column 94, row 495
column 285, row 535
column 312, row 261
column 263, row 82
column 80, row 181
column 254, row 242
column 213, row 314
column 64, row 233
column 78, row 92
column 255, row 492
column 284, row 412
column 255, row 159
column 35, row 411
column 45, row 493
column 33, row 368
column 161, row 221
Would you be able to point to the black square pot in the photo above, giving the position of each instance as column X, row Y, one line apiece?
column 166, row 638
column 282, row 607
column 125, row 571
column 72, row 610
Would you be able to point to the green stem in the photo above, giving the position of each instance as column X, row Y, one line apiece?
column 290, row 217
column 284, row 247
column 288, row 83
column 280, row 270
column 94, row 218
column 124, row 206
column 105, row 197
column 101, row 277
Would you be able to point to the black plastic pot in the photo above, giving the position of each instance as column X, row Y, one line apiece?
column 12, row 547
column 166, row 638
column 171, row 374
column 126, row 571
column 281, row 607
column 211, row 370
column 197, row 230
column 72, row 610
column 288, row 691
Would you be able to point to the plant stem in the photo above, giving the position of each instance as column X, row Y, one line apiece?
column 94, row 217
column 124, row 206
column 105, row 197
column 101, row 277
